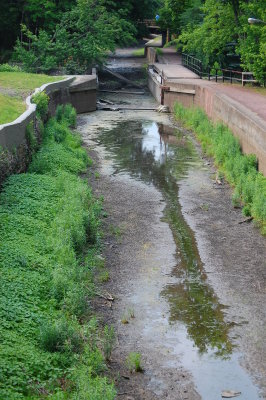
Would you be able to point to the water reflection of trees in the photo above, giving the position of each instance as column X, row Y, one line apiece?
column 191, row 300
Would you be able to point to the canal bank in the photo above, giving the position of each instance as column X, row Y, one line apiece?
column 185, row 274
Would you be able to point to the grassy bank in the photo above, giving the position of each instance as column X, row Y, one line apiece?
column 15, row 87
column 239, row 170
column 51, row 346
column 10, row 108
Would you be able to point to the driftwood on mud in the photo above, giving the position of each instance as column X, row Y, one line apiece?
column 122, row 78
column 246, row 220
column 108, row 296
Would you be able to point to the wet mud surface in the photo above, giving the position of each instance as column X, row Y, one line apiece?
column 188, row 279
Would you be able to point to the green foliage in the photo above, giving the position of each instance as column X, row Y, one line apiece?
column 41, row 99
column 60, row 336
column 46, row 286
column 30, row 137
column 68, row 114
column 214, row 29
column 109, row 339
column 252, row 39
column 133, row 362
column 240, row 170
column 94, row 28
column 9, row 68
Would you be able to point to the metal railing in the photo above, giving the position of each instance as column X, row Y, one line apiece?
column 217, row 74
column 192, row 63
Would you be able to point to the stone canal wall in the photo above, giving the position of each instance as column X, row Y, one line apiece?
column 245, row 124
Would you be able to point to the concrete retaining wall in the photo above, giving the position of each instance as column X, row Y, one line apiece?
column 15, row 137
column 245, row 124
column 80, row 91
column 150, row 54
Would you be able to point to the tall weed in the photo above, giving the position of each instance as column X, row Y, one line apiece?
column 240, row 170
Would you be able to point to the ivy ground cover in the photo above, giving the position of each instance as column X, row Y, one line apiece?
column 49, row 229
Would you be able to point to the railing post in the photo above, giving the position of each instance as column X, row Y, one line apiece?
column 223, row 75
column 209, row 73
column 231, row 80
column 216, row 72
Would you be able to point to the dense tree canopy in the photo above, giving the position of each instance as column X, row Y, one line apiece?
column 45, row 14
column 68, row 33
column 82, row 37
column 74, row 34
column 213, row 30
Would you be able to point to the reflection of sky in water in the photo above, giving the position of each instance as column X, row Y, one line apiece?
column 154, row 142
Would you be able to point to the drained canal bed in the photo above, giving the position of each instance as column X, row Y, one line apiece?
column 182, row 269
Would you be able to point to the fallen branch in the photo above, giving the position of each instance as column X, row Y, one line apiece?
column 122, row 78
column 246, row 220
column 120, row 91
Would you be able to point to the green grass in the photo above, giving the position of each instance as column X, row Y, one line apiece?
column 16, row 87
column 10, row 108
column 139, row 52
column 240, row 170
column 159, row 51
column 50, row 238
column 134, row 362
column 158, row 39
column 25, row 81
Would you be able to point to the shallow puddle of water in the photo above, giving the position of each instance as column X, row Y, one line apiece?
column 160, row 155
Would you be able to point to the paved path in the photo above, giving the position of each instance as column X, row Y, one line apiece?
column 172, row 71
column 170, row 65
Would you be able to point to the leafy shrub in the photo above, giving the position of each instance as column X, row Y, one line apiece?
column 9, row 68
column 76, row 301
column 59, row 112
column 41, row 99
column 60, row 336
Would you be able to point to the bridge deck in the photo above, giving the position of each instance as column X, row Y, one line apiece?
column 174, row 71
column 170, row 67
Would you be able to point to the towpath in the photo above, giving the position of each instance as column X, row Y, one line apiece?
column 169, row 64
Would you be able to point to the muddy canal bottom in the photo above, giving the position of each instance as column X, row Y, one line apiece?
column 179, row 324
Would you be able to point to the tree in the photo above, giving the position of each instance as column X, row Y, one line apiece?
column 252, row 39
column 82, row 38
column 35, row 14
column 207, row 29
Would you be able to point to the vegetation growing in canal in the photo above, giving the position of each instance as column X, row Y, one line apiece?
column 50, row 234
column 240, row 170
column 134, row 362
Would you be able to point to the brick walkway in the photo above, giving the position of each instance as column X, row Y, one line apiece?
column 170, row 64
